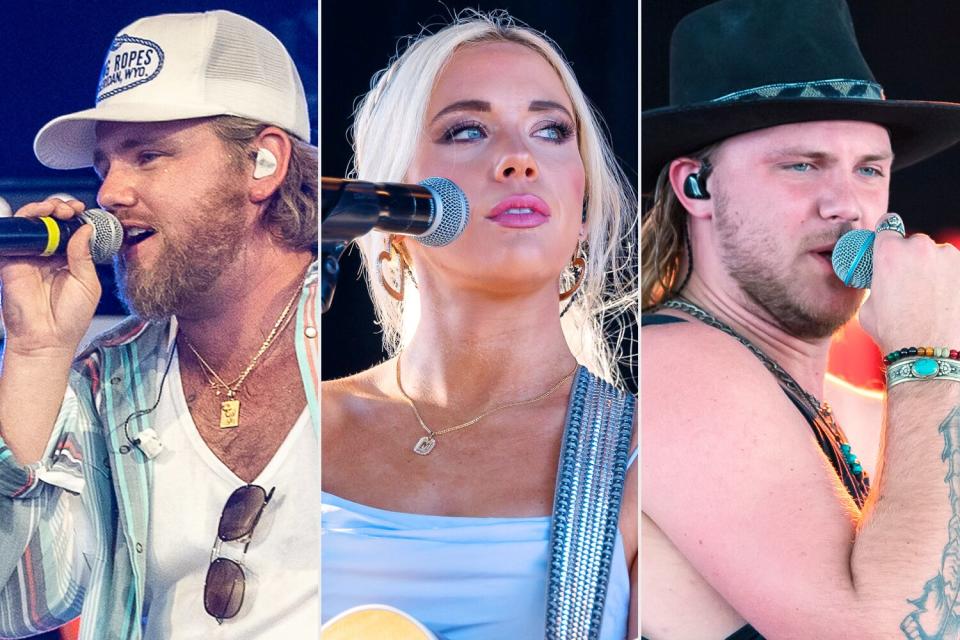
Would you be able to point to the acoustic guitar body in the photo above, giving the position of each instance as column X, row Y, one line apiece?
column 375, row 622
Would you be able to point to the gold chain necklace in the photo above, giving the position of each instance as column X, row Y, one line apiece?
column 230, row 408
column 426, row 444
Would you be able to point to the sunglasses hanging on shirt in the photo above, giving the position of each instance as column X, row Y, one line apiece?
column 225, row 585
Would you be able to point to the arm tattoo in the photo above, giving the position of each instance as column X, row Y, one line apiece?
column 936, row 613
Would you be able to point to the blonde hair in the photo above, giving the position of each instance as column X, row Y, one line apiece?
column 291, row 213
column 391, row 116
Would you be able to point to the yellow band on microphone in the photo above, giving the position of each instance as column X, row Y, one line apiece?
column 53, row 236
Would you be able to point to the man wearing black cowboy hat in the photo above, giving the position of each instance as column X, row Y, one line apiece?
column 758, row 513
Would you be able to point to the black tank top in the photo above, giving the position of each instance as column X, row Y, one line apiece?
column 856, row 487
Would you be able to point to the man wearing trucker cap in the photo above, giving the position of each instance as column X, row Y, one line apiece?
column 165, row 481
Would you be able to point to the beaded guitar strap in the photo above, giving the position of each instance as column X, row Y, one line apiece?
column 586, row 506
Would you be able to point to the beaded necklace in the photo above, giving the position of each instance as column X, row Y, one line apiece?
column 829, row 435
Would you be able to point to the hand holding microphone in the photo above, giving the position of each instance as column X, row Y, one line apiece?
column 43, row 237
column 853, row 254
column 912, row 280
column 47, row 304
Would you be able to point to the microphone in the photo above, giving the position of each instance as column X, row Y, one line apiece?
column 44, row 237
column 853, row 258
column 435, row 211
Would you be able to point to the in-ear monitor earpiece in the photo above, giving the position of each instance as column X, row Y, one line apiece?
column 695, row 184
column 266, row 164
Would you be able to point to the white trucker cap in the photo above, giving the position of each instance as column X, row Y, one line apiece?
column 179, row 66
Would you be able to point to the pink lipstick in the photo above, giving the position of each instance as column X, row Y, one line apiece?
column 520, row 212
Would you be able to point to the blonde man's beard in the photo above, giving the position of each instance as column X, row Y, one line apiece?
column 189, row 261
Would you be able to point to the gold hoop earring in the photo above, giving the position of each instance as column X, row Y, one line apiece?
column 403, row 258
column 579, row 266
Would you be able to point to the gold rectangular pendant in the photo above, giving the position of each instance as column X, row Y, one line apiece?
column 229, row 414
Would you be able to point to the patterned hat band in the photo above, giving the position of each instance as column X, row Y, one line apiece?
column 838, row 88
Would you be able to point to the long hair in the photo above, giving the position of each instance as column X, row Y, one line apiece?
column 291, row 213
column 391, row 116
column 664, row 241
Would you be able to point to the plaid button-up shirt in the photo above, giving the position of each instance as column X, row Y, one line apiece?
column 48, row 577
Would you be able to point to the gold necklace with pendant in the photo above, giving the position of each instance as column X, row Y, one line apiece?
column 426, row 444
column 230, row 408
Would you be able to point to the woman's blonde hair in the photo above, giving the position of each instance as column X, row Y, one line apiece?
column 391, row 117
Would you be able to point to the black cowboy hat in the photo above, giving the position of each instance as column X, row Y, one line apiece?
column 741, row 65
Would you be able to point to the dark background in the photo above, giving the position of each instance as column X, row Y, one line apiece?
column 359, row 38
column 52, row 52
column 912, row 48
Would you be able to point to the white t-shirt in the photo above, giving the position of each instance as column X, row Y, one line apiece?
column 189, row 489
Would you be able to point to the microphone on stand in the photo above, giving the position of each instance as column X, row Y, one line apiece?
column 435, row 211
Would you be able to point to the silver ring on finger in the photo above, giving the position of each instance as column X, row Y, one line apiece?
column 892, row 222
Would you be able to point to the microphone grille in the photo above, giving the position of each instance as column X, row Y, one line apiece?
column 107, row 234
column 850, row 246
column 452, row 212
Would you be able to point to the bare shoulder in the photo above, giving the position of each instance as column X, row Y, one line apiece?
column 725, row 454
column 353, row 411
column 684, row 365
column 346, row 398
column 704, row 392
